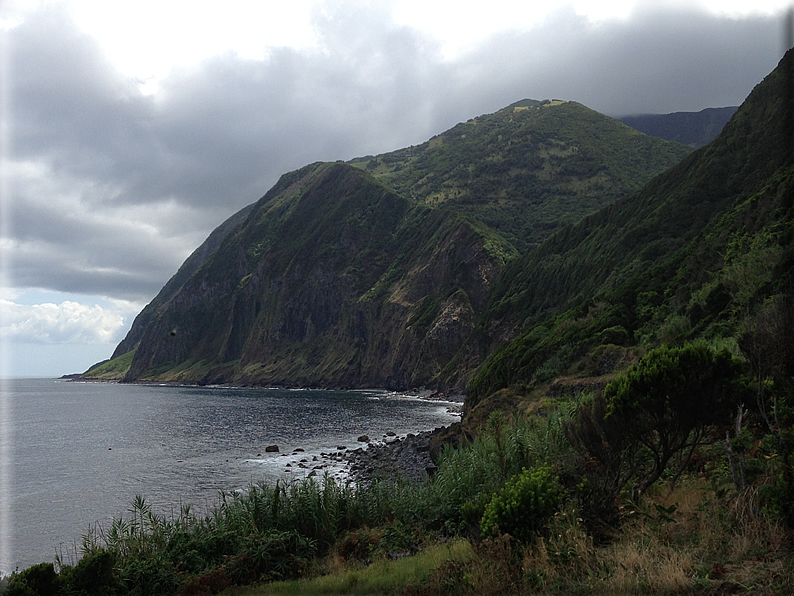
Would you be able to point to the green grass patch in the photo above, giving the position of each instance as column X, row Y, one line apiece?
column 112, row 369
column 379, row 290
column 381, row 577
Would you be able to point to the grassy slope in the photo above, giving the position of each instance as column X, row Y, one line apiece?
column 111, row 370
column 380, row 577
column 527, row 169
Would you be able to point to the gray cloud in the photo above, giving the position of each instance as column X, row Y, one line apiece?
column 114, row 188
column 657, row 62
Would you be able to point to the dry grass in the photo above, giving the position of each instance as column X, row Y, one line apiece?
column 710, row 546
column 707, row 545
column 381, row 577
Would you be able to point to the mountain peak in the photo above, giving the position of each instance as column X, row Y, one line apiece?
column 523, row 103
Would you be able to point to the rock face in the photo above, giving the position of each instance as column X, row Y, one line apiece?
column 332, row 279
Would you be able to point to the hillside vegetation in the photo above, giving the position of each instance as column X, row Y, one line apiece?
column 375, row 273
column 528, row 168
column 629, row 424
column 691, row 255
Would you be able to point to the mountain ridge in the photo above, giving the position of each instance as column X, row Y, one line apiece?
column 526, row 169
column 417, row 299
column 694, row 129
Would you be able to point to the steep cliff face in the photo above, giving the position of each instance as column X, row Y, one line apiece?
column 333, row 279
column 188, row 268
column 375, row 273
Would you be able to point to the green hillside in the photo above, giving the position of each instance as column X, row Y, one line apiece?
column 692, row 255
column 528, row 168
column 333, row 280
column 629, row 423
column 375, row 273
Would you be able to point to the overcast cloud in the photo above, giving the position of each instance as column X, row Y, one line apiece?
column 110, row 188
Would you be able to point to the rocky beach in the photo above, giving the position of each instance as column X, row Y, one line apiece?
column 409, row 457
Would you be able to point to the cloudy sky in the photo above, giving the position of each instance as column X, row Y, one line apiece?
column 129, row 130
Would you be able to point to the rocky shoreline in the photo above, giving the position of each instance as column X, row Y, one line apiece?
column 410, row 457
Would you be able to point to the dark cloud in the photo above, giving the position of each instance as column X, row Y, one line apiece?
column 124, row 185
column 656, row 62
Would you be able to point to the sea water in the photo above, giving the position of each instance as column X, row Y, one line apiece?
column 76, row 454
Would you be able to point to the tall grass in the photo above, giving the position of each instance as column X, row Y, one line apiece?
column 270, row 532
column 501, row 450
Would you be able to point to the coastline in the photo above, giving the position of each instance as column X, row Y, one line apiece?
column 409, row 457
column 103, row 443
column 421, row 392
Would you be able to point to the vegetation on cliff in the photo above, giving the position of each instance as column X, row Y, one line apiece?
column 629, row 428
column 694, row 254
column 375, row 273
column 527, row 169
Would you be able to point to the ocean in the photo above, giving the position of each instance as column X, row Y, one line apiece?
column 76, row 454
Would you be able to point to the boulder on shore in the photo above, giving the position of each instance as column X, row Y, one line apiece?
column 271, row 449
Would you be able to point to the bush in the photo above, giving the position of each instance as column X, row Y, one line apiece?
column 523, row 505
column 37, row 580
column 669, row 402
column 94, row 573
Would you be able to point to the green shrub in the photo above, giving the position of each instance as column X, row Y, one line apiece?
column 669, row 402
column 37, row 580
column 523, row 505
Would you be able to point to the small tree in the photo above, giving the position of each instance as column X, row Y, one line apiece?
column 609, row 460
column 671, row 399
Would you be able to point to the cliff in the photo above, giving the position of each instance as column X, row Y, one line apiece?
column 376, row 272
